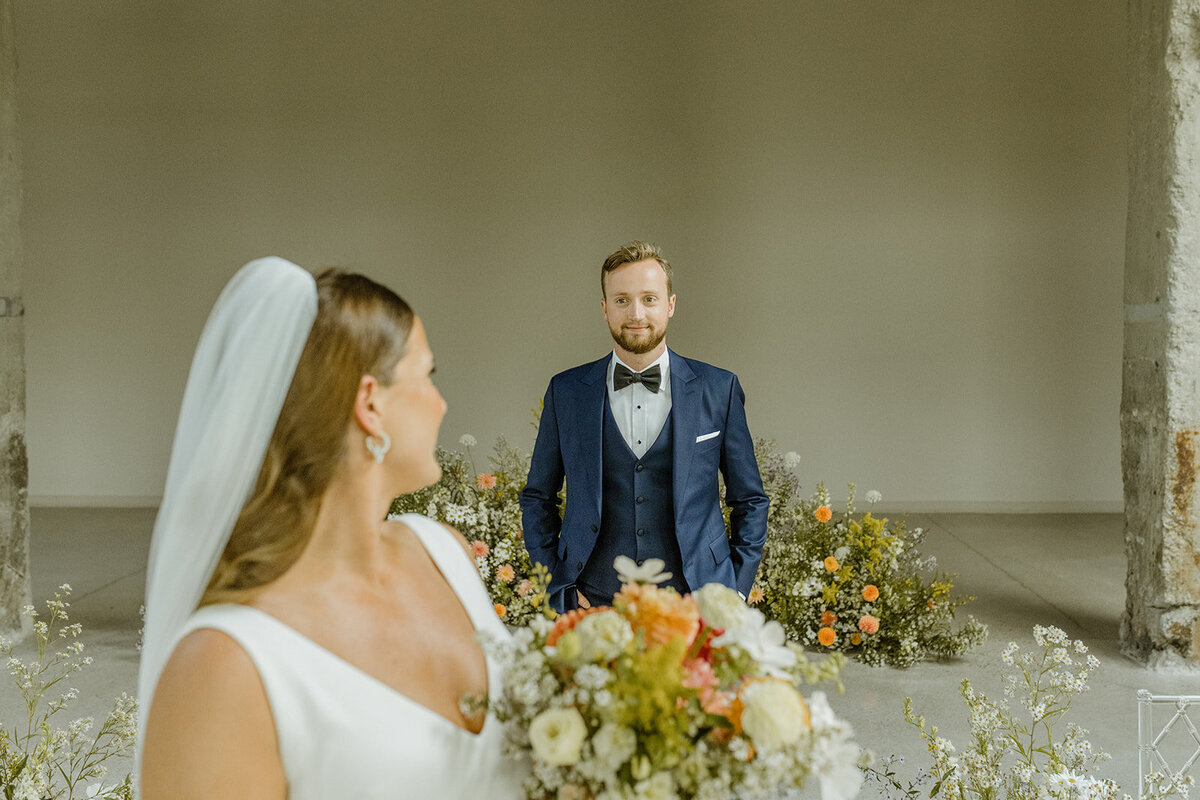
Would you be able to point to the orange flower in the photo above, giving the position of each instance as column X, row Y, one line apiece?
column 831, row 564
column 506, row 573
column 485, row 480
column 855, row 639
column 479, row 549
column 661, row 615
column 569, row 620
column 501, row 611
column 823, row 514
column 756, row 596
column 870, row 593
column 828, row 617
column 524, row 587
column 826, row 636
column 868, row 624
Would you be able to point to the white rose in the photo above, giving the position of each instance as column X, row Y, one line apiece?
column 557, row 736
column 659, row 787
column 603, row 636
column 613, row 745
column 720, row 606
column 774, row 715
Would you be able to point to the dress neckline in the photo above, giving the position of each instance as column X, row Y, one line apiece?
column 363, row 674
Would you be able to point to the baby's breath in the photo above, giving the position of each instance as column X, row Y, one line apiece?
column 1016, row 755
column 38, row 760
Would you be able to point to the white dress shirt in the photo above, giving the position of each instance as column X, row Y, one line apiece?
column 640, row 413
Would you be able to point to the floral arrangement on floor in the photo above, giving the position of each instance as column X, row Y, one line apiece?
column 40, row 762
column 670, row 697
column 852, row 583
column 1015, row 754
column 485, row 508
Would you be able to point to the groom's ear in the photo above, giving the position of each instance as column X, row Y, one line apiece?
column 366, row 404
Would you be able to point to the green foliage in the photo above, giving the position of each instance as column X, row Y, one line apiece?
column 39, row 761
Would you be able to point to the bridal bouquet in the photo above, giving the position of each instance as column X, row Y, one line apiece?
column 669, row 697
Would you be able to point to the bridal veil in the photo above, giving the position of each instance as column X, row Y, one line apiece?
column 239, row 378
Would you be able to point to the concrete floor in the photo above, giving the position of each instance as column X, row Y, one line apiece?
column 1066, row 570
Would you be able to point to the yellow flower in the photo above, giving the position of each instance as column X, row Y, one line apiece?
column 823, row 514
column 826, row 636
column 831, row 564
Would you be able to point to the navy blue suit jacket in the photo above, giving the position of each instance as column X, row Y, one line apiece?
column 704, row 399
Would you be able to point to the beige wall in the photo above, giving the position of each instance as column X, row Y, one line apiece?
column 902, row 224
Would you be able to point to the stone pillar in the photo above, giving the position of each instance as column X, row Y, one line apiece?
column 14, row 467
column 1160, row 398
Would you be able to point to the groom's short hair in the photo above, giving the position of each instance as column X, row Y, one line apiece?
column 630, row 254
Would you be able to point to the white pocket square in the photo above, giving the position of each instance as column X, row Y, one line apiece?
column 707, row 436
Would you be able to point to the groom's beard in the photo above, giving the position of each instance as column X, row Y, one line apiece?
column 638, row 342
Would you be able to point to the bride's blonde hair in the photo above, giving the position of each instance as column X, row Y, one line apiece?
column 361, row 329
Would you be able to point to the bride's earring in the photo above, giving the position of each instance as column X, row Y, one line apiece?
column 379, row 447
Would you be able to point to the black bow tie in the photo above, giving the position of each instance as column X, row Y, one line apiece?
column 650, row 378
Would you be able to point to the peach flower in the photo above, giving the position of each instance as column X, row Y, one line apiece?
column 831, row 564
column 828, row 617
column 826, row 636
column 870, row 593
column 823, row 514
column 485, row 480
column 479, row 549
column 506, row 573
column 757, row 595
column 661, row 615
column 868, row 624
column 501, row 611
column 698, row 674
column 524, row 587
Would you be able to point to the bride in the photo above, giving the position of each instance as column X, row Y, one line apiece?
column 296, row 645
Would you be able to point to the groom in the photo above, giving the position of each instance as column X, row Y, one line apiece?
column 639, row 436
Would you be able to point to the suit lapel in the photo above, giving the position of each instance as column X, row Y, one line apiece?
column 593, row 386
column 683, row 425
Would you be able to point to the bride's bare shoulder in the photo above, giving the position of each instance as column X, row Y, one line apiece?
column 397, row 528
column 209, row 708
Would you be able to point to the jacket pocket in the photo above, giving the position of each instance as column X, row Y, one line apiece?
column 719, row 547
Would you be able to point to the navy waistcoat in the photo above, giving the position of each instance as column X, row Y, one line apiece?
column 637, row 511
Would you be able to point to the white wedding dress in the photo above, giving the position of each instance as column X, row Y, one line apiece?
column 345, row 734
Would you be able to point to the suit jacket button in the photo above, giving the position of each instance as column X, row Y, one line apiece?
column 641, row 562
column 594, row 529
column 641, row 500
column 639, row 468
column 641, row 532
